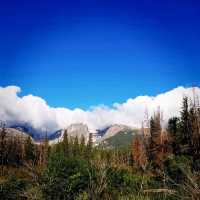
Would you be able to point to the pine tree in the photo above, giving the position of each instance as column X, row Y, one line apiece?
column 46, row 150
column 13, row 153
column 66, row 143
column 195, row 129
column 2, row 143
column 76, row 146
column 174, row 132
column 89, row 146
column 155, row 137
column 29, row 149
column 19, row 150
column 3, row 147
column 185, row 123
column 82, row 145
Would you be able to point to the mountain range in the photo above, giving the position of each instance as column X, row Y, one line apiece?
column 109, row 137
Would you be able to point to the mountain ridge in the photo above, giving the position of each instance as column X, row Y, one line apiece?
column 78, row 129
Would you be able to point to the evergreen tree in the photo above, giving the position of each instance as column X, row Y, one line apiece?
column 155, row 137
column 76, row 146
column 29, row 150
column 89, row 146
column 3, row 147
column 19, row 150
column 174, row 131
column 46, row 150
column 185, row 123
column 195, row 139
column 14, row 154
column 65, row 143
column 82, row 145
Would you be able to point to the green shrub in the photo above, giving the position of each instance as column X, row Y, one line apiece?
column 174, row 166
column 12, row 188
column 33, row 193
column 64, row 177
column 125, row 182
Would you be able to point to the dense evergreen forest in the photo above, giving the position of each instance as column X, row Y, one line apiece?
column 162, row 163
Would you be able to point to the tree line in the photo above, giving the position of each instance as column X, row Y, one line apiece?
column 163, row 162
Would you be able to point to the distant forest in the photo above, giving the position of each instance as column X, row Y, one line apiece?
column 160, row 164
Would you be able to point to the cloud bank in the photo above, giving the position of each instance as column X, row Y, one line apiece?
column 37, row 113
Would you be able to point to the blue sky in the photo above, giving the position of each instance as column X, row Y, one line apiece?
column 84, row 53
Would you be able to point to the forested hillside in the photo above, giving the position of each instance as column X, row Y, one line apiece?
column 159, row 162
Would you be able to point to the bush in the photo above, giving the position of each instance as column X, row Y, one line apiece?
column 126, row 182
column 33, row 193
column 12, row 188
column 64, row 178
column 174, row 166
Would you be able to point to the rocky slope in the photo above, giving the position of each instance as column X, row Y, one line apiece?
column 73, row 130
column 117, row 135
column 12, row 132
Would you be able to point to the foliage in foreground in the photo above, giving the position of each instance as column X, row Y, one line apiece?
column 160, row 165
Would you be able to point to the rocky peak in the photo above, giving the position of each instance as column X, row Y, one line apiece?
column 78, row 130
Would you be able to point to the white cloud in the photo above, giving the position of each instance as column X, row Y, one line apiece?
column 36, row 112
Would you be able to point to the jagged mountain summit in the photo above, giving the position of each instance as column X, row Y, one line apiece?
column 78, row 130
column 73, row 130
column 113, row 135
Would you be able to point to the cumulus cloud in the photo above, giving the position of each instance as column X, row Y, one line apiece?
column 36, row 112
